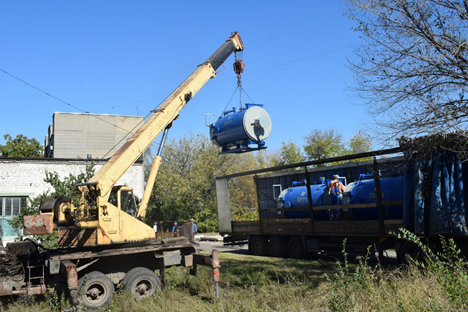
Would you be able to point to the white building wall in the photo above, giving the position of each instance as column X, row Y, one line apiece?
column 21, row 176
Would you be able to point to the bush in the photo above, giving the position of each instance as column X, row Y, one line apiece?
column 440, row 282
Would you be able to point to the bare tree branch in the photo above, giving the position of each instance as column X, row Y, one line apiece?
column 412, row 69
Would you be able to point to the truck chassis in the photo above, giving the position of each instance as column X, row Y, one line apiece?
column 89, row 275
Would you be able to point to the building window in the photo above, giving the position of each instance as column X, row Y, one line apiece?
column 10, row 206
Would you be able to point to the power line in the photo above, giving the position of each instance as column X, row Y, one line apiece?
column 217, row 81
column 60, row 100
column 287, row 63
column 131, row 131
column 133, row 102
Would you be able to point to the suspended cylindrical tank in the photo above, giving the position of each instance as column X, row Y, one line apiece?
column 360, row 192
column 236, row 131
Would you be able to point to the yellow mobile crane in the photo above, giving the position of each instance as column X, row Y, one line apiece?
column 99, row 210
column 102, row 245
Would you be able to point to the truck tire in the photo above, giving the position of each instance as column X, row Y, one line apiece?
column 296, row 248
column 277, row 247
column 141, row 283
column 96, row 290
column 258, row 246
column 408, row 249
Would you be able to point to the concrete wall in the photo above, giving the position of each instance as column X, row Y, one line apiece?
column 77, row 135
column 25, row 176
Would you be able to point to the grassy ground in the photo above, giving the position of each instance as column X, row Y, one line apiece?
column 251, row 283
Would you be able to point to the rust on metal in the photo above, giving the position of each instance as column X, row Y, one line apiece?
column 239, row 67
column 6, row 288
column 207, row 260
column 72, row 280
column 77, row 237
column 216, row 275
column 36, row 290
column 236, row 35
column 39, row 224
column 47, row 205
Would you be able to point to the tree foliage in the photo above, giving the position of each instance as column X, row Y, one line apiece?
column 60, row 187
column 185, row 185
column 412, row 68
column 324, row 144
column 289, row 153
column 20, row 146
column 359, row 143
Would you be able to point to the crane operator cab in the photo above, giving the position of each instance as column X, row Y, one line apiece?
column 64, row 211
column 122, row 197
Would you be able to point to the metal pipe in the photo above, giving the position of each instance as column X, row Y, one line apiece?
column 152, row 176
column 314, row 162
column 217, row 290
column 163, row 140
column 311, row 204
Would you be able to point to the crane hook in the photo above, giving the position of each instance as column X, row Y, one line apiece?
column 239, row 67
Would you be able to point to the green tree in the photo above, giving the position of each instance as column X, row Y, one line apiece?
column 411, row 68
column 20, row 146
column 185, row 185
column 289, row 153
column 242, row 192
column 359, row 143
column 61, row 187
column 323, row 144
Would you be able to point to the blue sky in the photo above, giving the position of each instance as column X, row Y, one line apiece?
column 125, row 57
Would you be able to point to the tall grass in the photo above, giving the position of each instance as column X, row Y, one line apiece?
column 437, row 283
column 250, row 283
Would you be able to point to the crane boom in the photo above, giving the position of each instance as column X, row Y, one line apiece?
column 105, row 214
column 123, row 159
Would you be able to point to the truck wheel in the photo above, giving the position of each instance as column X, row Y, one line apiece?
column 409, row 249
column 277, row 247
column 96, row 290
column 258, row 246
column 141, row 283
column 296, row 248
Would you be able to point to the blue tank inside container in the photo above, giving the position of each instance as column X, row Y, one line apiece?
column 237, row 131
column 296, row 197
column 362, row 192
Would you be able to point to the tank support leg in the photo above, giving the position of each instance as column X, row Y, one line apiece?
column 162, row 275
column 211, row 261
column 72, row 280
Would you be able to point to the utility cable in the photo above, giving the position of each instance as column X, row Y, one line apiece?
column 60, row 100
column 134, row 128
column 287, row 63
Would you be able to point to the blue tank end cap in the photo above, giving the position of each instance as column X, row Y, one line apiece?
column 249, row 105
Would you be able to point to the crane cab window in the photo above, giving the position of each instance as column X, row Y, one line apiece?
column 127, row 202
column 113, row 198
